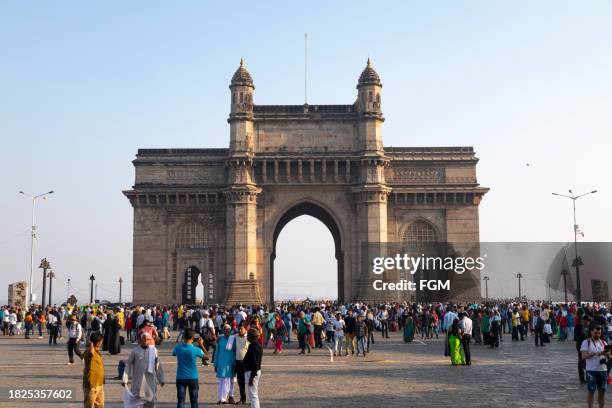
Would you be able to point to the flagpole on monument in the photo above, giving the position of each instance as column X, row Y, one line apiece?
column 305, row 68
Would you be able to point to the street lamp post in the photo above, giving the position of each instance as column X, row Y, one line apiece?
column 92, row 279
column 32, row 236
column 486, row 281
column 44, row 265
column 50, row 275
column 519, row 276
column 67, row 289
column 120, row 284
column 577, row 261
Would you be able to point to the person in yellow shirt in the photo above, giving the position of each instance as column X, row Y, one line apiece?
column 93, row 373
column 317, row 321
column 525, row 319
column 516, row 321
column 121, row 318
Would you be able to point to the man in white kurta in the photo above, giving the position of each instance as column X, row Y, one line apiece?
column 144, row 368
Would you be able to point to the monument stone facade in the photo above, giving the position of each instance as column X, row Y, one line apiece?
column 215, row 214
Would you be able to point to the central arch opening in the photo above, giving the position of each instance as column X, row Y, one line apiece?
column 301, row 273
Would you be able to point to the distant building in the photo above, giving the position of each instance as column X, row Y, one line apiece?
column 17, row 293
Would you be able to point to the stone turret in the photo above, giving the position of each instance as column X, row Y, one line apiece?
column 242, row 88
column 241, row 111
column 369, row 87
column 370, row 195
column 241, row 195
column 369, row 109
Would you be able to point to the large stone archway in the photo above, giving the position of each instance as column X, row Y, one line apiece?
column 318, row 212
column 228, row 206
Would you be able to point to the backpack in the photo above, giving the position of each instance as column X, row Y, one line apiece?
column 207, row 333
column 195, row 317
column 281, row 331
column 120, row 368
column 540, row 324
column 95, row 324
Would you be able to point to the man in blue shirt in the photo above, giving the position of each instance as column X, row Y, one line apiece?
column 187, row 355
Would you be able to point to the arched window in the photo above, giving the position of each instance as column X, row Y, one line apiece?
column 234, row 98
column 419, row 236
column 370, row 96
column 192, row 235
column 420, row 233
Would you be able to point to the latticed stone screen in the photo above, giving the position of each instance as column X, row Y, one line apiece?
column 419, row 233
column 192, row 235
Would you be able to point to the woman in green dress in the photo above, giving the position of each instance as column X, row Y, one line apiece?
column 454, row 342
column 409, row 329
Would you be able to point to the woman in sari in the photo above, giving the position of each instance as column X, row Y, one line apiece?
column 280, row 332
column 454, row 343
column 409, row 328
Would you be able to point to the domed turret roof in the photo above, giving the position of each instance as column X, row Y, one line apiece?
column 369, row 76
column 242, row 76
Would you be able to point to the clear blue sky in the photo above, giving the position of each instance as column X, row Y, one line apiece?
column 84, row 84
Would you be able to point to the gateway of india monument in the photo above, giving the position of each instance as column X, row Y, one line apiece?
column 214, row 215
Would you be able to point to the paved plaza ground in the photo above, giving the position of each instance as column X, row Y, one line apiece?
column 395, row 374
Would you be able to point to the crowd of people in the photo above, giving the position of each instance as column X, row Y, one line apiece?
column 232, row 339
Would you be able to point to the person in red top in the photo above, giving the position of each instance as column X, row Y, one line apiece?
column 255, row 323
column 434, row 322
column 563, row 327
column 128, row 327
column 280, row 332
column 148, row 327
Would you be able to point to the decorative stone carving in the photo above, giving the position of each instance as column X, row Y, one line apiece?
column 415, row 175
column 195, row 175
column 241, row 196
